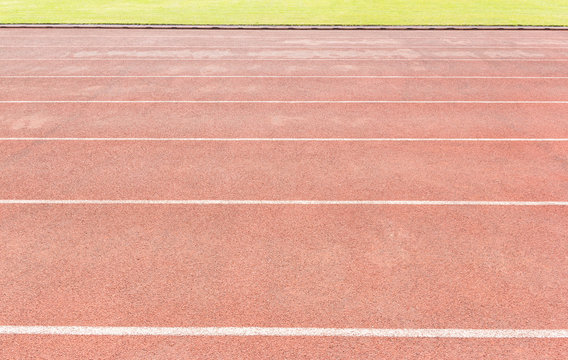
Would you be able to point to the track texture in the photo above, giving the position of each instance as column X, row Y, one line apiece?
column 297, row 266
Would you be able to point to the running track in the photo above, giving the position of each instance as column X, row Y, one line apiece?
column 283, row 194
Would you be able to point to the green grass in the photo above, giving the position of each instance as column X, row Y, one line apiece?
column 348, row 12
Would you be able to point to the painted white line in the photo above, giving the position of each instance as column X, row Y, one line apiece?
column 282, row 76
column 288, row 139
column 283, row 101
column 294, row 38
column 306, row 47
column 283, row 202
column 289, row 59
column 281, row 331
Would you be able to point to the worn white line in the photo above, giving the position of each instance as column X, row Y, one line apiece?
column 282, row 331
column 284, row 101
column 284, row 139
column 288, row 59
column 283, row 76
column 282, row 202
column 294, row 38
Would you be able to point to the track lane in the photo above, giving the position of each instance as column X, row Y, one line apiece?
column 285, row 67
column 285, row 348
column 240, row 52
column 284, row 89
column 377, row 39
column 165, row 120
column 285, row 266
column 285, row 171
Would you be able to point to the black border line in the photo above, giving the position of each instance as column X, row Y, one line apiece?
column 286, row 27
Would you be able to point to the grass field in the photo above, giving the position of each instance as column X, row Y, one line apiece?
column 348, row 12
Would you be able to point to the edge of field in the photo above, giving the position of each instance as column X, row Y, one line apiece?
column 285, row 27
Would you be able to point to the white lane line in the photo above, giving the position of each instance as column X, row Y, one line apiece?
column 287, row 139
column 284, row 101
column 294, row 38
column 288, row 59
column 306, row 47
column 283, row 202
column 284, row 331
column 284, row 76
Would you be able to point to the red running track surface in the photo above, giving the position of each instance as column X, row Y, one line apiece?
column 293, row 266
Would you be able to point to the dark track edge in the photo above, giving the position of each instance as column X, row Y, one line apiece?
column 286, row 27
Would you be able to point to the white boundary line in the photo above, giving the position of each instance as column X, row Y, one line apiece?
column 284, row 101
column 285, row 76
column 283, row 202
column 289, row 59
column 287, row 139
column 282, row 331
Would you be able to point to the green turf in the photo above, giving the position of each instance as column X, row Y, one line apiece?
column 348, row 12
